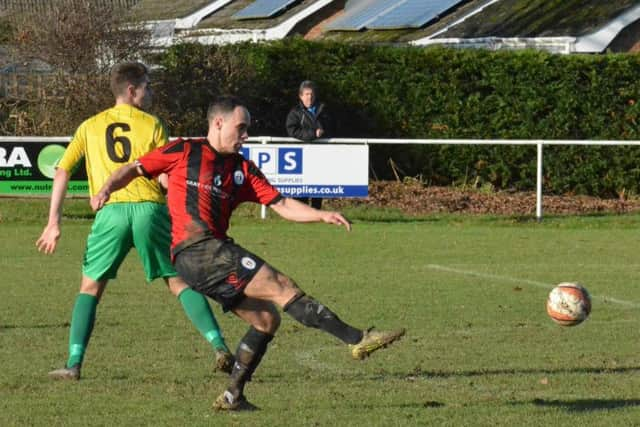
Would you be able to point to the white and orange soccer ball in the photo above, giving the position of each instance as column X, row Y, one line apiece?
column 569, row 304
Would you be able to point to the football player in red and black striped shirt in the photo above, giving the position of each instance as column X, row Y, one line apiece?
column 208, row 179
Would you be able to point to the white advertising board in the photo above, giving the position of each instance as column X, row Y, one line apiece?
column 313, row 170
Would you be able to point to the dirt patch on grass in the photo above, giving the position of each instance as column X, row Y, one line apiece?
column 413, row 198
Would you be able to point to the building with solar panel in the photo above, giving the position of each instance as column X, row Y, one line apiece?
column 566, row 27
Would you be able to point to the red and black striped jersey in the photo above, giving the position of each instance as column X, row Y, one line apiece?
column 204, row 188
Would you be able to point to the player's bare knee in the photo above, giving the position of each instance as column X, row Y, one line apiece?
column 92, row 287
column 287, row 282
column 269, row 321
column 274, row 325
column 288, row 289
column 175, row 285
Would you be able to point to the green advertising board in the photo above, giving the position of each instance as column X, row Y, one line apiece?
column 28, row 165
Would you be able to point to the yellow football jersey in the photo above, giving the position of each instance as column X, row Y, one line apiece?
column 111, row 139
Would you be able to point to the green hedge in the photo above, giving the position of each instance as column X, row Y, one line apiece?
column 410, row 92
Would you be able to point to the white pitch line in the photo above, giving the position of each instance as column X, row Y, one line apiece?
column 521, row 281
column 309, row 359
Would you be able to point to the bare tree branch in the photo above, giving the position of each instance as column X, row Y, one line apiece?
column 80, row 40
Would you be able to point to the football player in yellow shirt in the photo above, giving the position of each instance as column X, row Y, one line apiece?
column 136, row 216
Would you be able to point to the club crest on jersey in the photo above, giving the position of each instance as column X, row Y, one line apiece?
column 217, row 180
column 248, row 263
column 238, row 177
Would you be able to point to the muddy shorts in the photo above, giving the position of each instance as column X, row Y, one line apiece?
column 220, row 269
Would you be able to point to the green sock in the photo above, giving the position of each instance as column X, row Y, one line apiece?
column 200, row 314
column 82, row 320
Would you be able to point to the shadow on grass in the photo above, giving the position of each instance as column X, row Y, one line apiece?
column 413, row 405
column 89, row 215
column 52, row 326
column 586, row 405
column 271, row 377
column 541, row 371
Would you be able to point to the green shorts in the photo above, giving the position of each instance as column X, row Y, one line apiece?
column 120, row 226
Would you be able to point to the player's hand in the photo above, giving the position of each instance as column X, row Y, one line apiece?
column 336, row 218
column 99, row 200
column 49, row 239
column 319, row 132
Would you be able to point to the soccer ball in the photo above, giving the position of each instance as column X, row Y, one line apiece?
column 568, row 304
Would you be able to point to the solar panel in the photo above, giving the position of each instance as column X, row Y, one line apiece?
column 385, row 14
column 262, row 9
column 357, row 16
column 411, row 14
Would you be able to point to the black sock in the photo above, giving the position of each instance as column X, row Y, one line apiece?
column 310, row 312
column 251, row 348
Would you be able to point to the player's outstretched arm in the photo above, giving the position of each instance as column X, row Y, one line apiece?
column 294, row 210
column 119, row 179
column 48, row 240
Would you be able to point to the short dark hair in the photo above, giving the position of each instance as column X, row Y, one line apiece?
column 307, row 84
column 125, row 74
column 223, row 105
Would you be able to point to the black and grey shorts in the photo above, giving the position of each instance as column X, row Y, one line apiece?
column 219, row 269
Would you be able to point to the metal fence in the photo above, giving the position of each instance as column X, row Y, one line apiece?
column 538, row 143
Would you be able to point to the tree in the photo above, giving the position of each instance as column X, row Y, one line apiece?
column 80, row 40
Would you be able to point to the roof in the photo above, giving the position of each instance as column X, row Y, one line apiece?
column 540, row 18
column 467, row 19
column 162, row 9
column 224, row 17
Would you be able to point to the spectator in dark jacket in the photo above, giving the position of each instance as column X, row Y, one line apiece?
column 307, row 121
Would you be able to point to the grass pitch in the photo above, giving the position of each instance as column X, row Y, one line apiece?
column 471, row 291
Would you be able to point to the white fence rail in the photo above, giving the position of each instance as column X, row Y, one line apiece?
column 539, row 143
